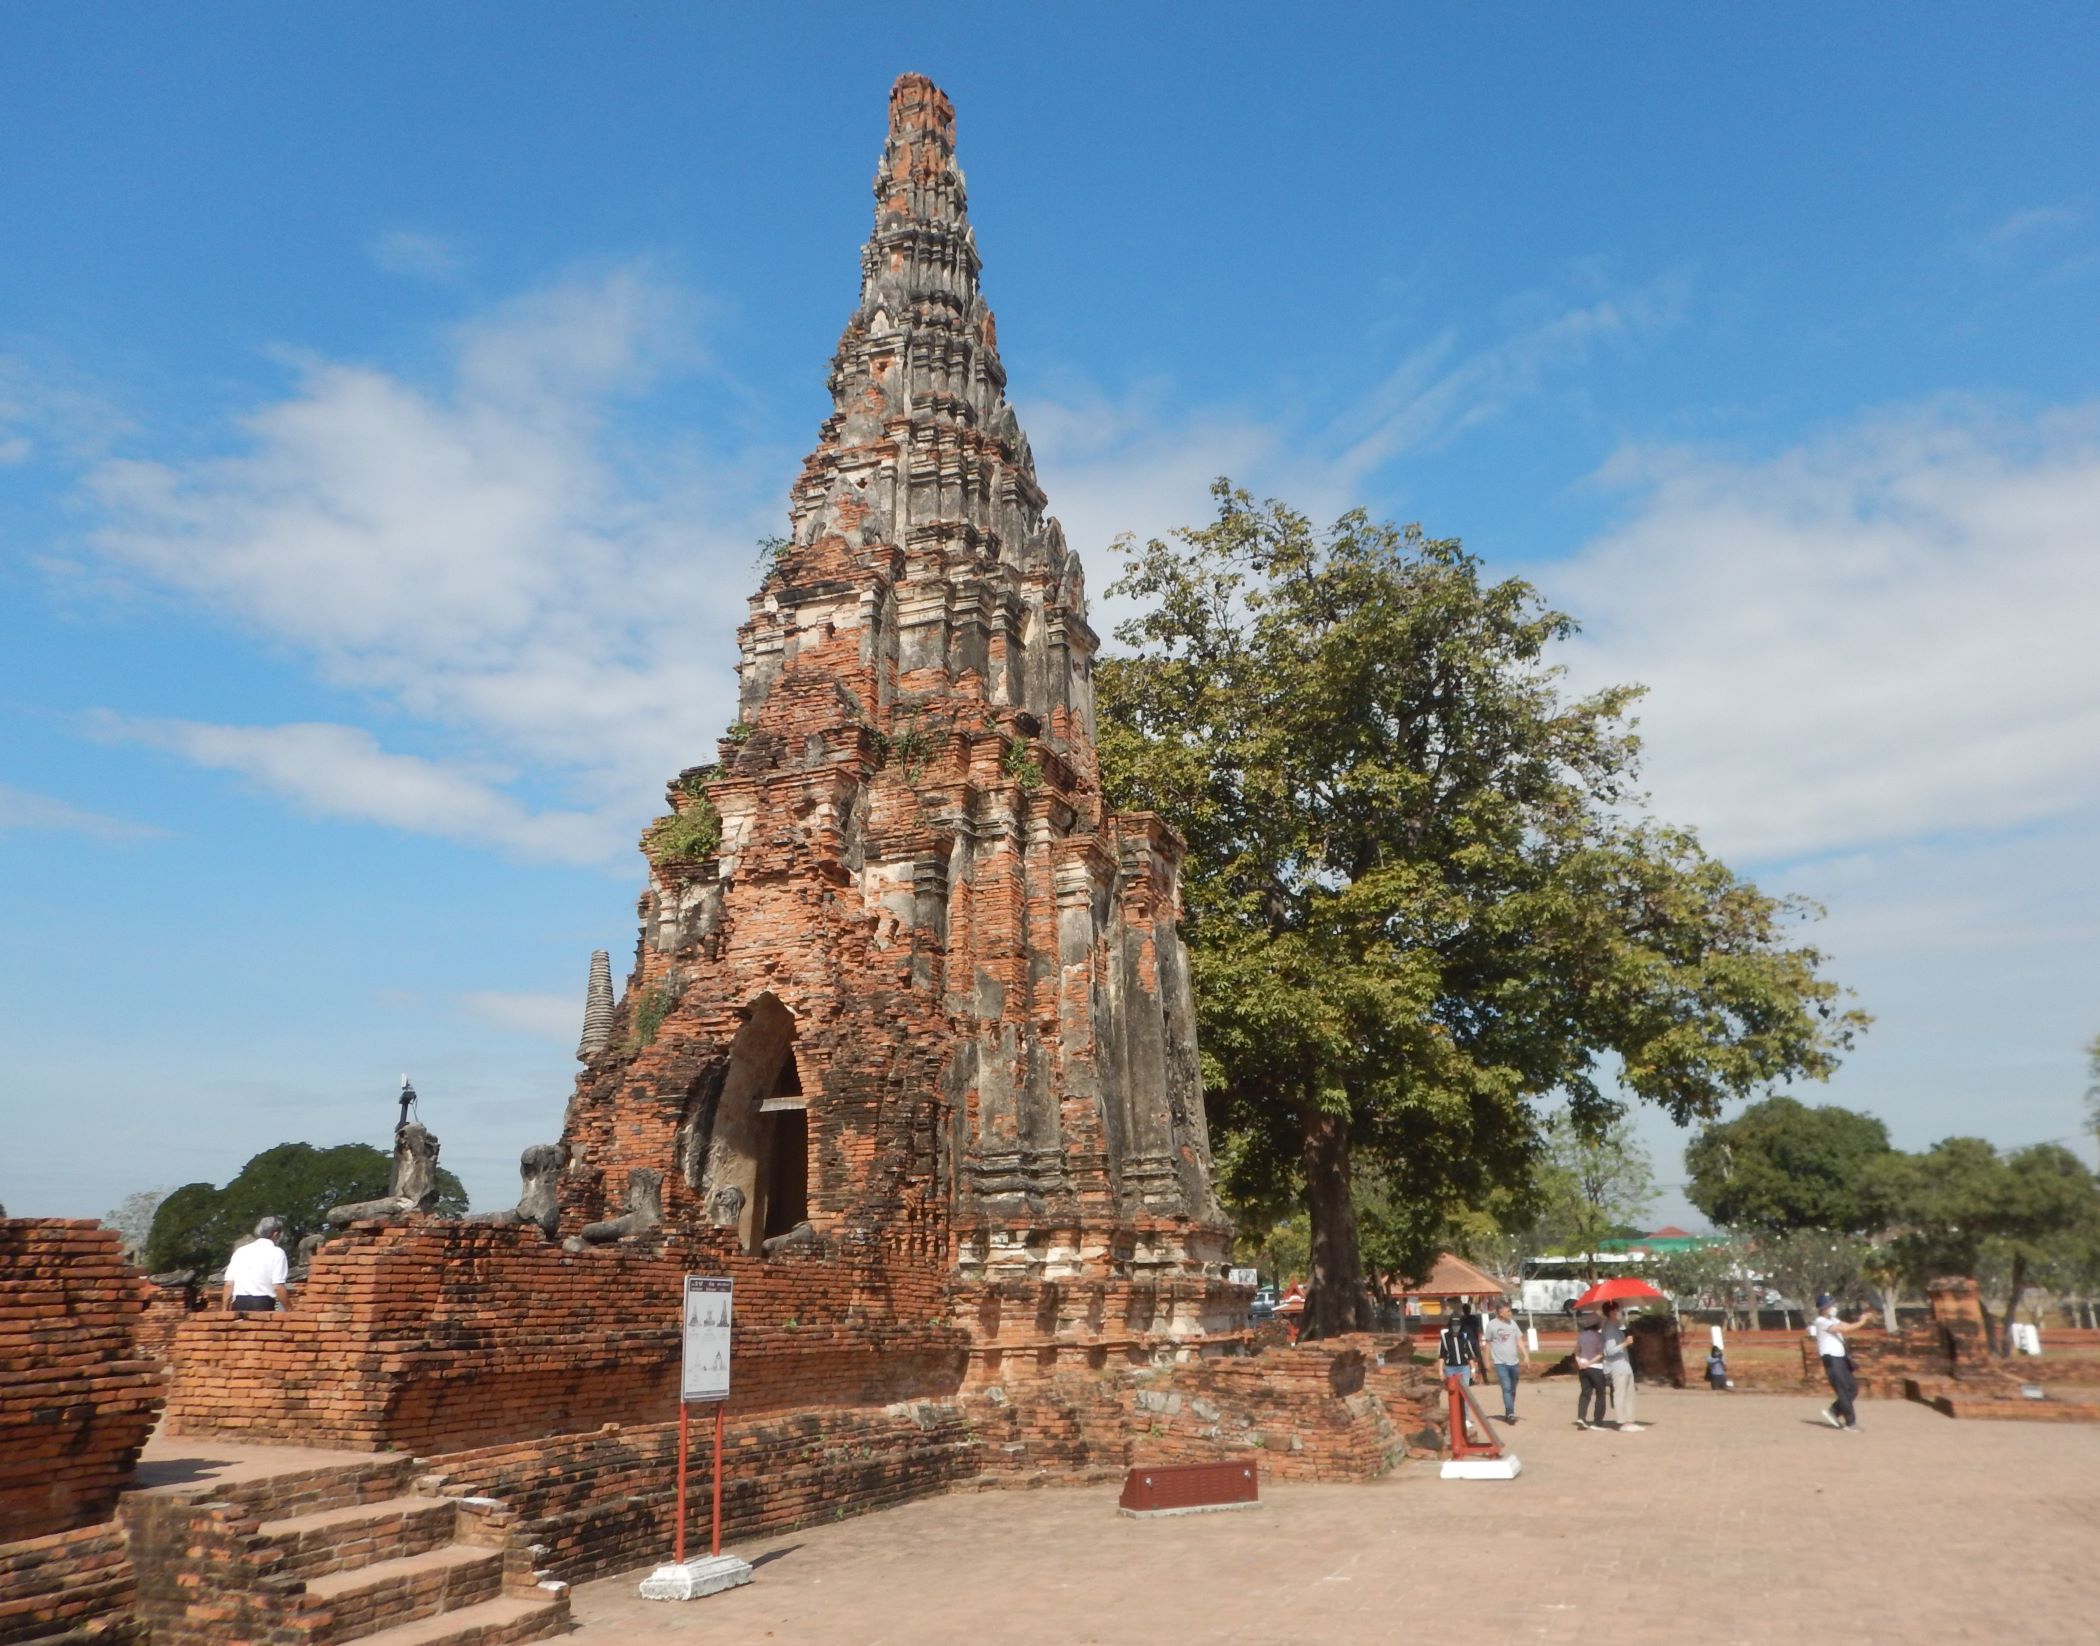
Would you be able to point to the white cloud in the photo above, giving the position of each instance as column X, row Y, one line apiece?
column 1436, row 393
column 341, row 772
column 510, row 557
column 20, row 809
column 1142, row 462
column 47, row 411
column 506, row 556
column 1882, row 636
column 552, row 1017
column 417, row 255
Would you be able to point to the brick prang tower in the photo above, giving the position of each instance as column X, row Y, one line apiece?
column 902, row 978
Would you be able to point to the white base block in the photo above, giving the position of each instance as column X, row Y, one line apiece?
column 1190, row 1509
column 709, row 1575
column 1482, row 1468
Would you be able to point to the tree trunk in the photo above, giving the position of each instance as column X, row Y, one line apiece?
column 1334, row 1292
column 2012, row 1305
column 1889, row 1298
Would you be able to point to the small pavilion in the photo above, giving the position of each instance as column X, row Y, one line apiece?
column 1450, row 1278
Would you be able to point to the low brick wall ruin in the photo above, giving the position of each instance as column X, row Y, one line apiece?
column 605, row 1502
column 77, row 1400
column 437, row 1337
column 78, row 1584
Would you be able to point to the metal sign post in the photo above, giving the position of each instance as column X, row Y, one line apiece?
column 707, row 1305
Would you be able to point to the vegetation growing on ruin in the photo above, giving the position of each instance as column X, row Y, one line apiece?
column 649, row 1013
column 694, row 831
column 771, row 552
column 916, row 741
column 1023, row 767
column 1424, row 907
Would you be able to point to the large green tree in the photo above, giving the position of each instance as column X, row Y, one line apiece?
column 1963, row 1208
column 1420, row 894
column 1782, row 1165
column 195, row 1227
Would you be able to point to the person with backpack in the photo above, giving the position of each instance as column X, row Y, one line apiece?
column 1458, row 1350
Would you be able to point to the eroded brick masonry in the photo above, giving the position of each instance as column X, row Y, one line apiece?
column 924, row 990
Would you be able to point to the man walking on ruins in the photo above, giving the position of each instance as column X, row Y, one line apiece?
column 1505, row 1350
column 256, row 1273
column 1829, row 1333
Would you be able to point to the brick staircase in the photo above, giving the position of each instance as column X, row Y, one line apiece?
column 365, row 1553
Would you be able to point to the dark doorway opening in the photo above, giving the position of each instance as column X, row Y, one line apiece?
column 783, row 1152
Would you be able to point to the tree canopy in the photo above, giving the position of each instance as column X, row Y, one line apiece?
column 1783, row 1165
column 1420, row 894
column 196, row 1226
column 1593, row 1182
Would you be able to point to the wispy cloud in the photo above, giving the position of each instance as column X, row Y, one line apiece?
column 511, row 558
column 1440, row 390
column 550, row 1017
column 341, row 772
column 21, row 809
column 2026, row 227
column 47, row 411
column 506, row 557
column 417, row 255
column 1142, row 460
column 1885, row 635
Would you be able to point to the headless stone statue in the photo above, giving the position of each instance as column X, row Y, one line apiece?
column 645, row 1209
column 539, row 1169
column 414, row 1187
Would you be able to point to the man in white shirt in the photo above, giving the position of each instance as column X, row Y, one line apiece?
column 1618, row 1367
column 256, row 1272
column 1829, row 1333
column 1504, row 1341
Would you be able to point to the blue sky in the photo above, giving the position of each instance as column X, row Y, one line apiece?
column 391, row 398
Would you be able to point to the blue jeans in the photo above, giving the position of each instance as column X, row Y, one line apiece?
column 1463, row 1373
column 1507, row 1377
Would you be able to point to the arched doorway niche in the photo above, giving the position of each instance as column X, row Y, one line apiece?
column 758, row 1143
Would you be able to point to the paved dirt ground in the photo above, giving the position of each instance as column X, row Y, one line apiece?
column 1733, row 1518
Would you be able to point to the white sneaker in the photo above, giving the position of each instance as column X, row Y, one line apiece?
column 1633, row 1428
column 1832, row 1418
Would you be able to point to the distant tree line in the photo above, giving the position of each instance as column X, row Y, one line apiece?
column 196, row 1226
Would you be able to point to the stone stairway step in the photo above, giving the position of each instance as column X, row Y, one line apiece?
column 507, row 1620
column 337, row 1540
column 367, row 1600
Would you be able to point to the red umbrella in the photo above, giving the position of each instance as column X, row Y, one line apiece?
column 1620, row 1289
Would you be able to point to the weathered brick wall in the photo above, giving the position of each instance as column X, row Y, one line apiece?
column 77, row 1400
column 605, row 1502
column 78, row 1584
column 437, row 1336
column 1312, row 1413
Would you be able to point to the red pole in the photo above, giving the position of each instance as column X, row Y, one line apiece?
column 715, row 1547
column 678, row 1554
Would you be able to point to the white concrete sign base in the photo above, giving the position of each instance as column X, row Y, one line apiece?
column 1482, row 1468
column 694, row 1580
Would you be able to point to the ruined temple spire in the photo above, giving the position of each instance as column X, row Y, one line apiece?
column 922, row 218
column 597, row 1008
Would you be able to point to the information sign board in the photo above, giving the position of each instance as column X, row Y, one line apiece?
column 1243, row 1277
column 704, row 1368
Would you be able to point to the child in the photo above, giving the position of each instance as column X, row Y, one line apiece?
column 1717, row 1370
